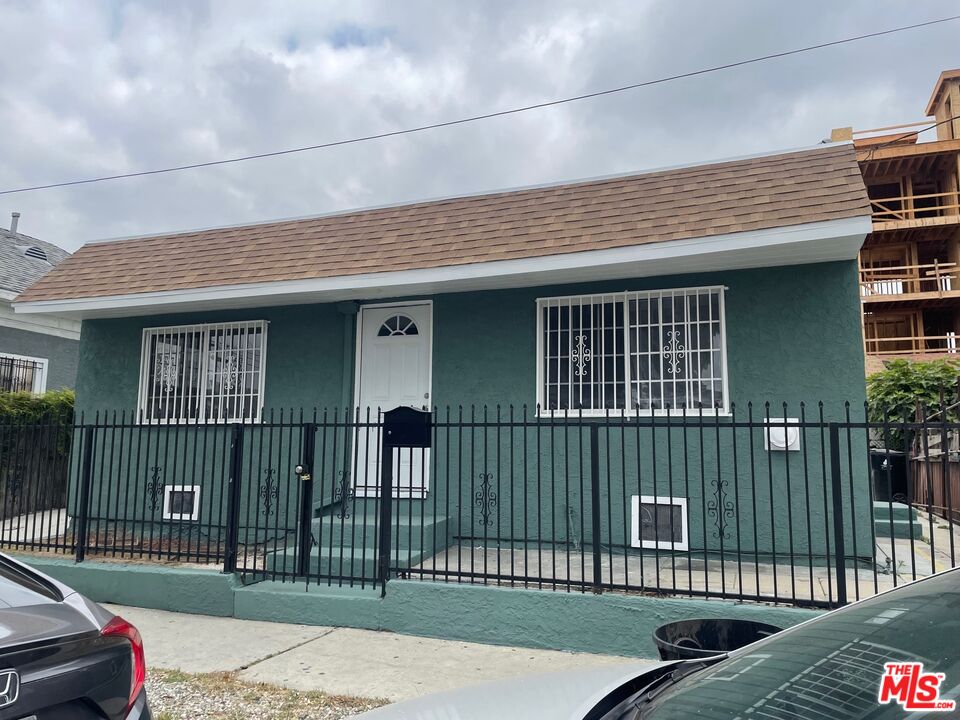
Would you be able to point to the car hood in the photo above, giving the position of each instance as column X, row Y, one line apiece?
column 553, row 696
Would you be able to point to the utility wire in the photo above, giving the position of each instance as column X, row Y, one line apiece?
column 485, row 116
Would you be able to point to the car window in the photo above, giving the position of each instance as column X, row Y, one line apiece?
column 830, row 668
column 20, row 587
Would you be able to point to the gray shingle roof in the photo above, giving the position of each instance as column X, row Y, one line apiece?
column 17, row 270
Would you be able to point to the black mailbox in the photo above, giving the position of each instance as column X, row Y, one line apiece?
column 407, row 427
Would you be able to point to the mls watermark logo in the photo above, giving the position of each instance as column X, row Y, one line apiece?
column 914, row 689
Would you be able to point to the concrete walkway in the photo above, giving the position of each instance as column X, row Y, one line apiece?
column 339, row 661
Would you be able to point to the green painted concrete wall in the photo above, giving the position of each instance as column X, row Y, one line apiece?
column 793, row 334
column 609, row 623
column 153, row 586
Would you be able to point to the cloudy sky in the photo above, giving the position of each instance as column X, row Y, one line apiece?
column 96, row 88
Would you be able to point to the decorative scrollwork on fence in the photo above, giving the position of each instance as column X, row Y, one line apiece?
column 155, row 487
column 721, row 509
column 344, row 494
column 486, row 499
column 269, row 492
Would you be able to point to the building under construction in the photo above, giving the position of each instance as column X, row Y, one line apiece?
column 909, row 264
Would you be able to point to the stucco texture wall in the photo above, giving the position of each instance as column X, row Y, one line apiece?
column 62, row 353
column 793, row 334
column 304, row 357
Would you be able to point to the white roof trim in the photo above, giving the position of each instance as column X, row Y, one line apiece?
column 791, row 245
column 44, row 324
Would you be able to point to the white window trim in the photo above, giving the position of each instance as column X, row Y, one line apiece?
column 723, row 411
column 144, row 383
column 635, row 541
column 40, row 379
column 168, row 514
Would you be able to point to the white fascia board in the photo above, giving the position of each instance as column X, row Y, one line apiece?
column 791, row 245
column 68, row 328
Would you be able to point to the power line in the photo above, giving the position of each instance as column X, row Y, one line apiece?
column 485, row 116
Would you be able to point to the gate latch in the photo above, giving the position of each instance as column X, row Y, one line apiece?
column 302, row 472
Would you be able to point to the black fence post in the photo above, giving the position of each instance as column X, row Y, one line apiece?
column 305, row 537
column 386, row 512
column 839, row 548
column 233, row 499
column 83, row 508
column 595, row 506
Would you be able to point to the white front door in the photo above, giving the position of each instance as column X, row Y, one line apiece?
column 394, row 369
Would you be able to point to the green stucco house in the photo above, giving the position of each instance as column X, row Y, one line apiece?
column 690, row 291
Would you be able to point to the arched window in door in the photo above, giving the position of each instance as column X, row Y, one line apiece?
column 398, row 325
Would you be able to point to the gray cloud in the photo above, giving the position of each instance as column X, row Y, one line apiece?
column 89, row 89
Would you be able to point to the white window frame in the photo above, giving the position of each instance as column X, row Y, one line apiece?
column 205, row 328
column 625, row 298
column 168, row 513
column 635, row 530
column 40, row 377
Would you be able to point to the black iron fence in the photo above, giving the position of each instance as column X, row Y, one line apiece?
column 791, row 504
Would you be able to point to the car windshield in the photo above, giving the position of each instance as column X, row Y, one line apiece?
column 830, row 668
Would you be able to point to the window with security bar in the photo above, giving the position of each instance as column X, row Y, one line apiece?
column 645, row 352
column 203, row 373
column 22, row 374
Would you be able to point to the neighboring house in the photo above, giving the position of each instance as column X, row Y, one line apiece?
column 910, row 262
column 37, row 353
column 703, row 286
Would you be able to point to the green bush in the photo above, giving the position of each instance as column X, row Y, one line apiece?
column 35, row 450
column 55, row 406
column 896, row 391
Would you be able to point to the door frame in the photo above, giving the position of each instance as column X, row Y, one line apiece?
column 358, row 357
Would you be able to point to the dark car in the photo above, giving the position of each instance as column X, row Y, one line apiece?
column 894, row 655
column 63, row 657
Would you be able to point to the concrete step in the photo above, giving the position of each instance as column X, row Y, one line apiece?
column 361, row 531
column 898, row 511
column 895, row 520
column 352, row 562
column 898, row 528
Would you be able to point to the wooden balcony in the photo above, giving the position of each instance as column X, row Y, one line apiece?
column 928, row 284
column 917, row 347
column 915, row 211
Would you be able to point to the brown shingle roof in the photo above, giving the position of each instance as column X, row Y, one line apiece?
column 726, row 197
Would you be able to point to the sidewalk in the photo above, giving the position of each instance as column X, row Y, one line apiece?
column 337, row 661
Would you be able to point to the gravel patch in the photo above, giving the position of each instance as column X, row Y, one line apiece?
column 176, row 695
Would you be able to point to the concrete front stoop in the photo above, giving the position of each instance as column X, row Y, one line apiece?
column 896, row 520
column 345, row 546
